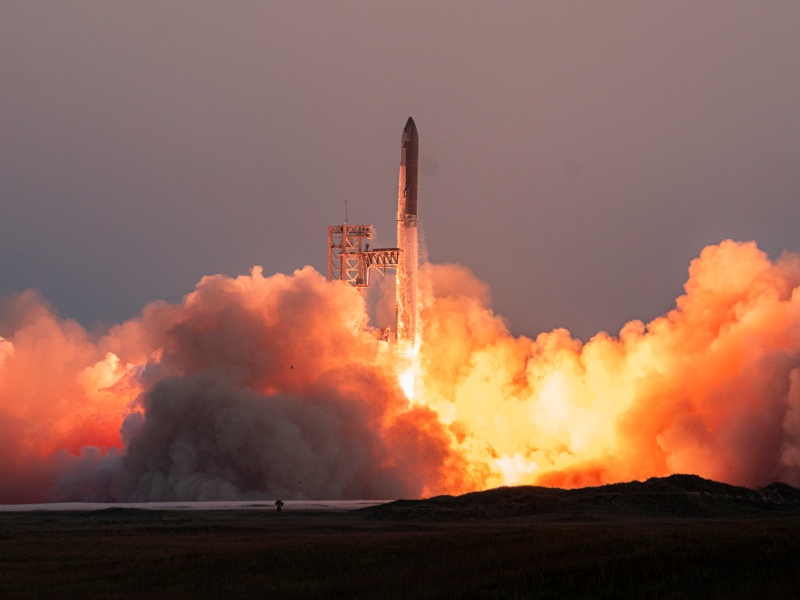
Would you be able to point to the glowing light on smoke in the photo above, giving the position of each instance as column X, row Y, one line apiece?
column 701, row 389
column 407, row 379
column 515, row 469
column 260, row 387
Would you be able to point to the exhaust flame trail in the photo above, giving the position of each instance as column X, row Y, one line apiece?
column 407, row 367
column 258, row 387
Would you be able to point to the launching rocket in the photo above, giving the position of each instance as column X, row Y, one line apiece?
column 406, row 327
column 409, row 168
column 351, row 261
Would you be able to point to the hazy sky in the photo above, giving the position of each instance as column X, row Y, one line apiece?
column 575, row 155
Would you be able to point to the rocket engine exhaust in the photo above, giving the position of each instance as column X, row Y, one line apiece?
column 261, row 387
column 406, row 290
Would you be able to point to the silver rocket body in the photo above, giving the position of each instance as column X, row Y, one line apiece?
column 408, row 260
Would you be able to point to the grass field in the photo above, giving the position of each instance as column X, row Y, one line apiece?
column 126, row 553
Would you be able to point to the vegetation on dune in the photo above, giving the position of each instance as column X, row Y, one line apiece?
column 682, row 496
column 597, row 553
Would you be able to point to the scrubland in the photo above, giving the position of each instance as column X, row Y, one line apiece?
column 126, row 553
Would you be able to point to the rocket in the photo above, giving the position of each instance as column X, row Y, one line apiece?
column 407, row 262
column 409, row 169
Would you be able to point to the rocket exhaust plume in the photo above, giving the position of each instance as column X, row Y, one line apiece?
column 260, row 387
column 408, row 260
column 251, row 387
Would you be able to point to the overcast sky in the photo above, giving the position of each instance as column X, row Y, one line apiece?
column 575, row 155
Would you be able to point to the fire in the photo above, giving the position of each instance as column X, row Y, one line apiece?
column 515, row 469
column 407, row 379
column 708, row 388
column 406, row 364
column 260, row 387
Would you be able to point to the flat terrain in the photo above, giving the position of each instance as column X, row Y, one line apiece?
column 399, row 552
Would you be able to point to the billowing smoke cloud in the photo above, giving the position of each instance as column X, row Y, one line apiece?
column 264, row 387
column 252, row 387
column 711, row 388
column 60, row 391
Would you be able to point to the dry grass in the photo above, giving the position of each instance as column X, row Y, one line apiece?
column 122, row 553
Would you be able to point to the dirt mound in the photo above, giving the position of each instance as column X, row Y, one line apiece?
column 676, row 496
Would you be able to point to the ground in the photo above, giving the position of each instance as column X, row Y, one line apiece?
column 128, row 553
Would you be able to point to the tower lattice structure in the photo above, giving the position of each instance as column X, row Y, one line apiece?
column 349, row 256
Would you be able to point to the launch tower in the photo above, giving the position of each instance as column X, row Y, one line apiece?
column 349, row 256
column 350, row 259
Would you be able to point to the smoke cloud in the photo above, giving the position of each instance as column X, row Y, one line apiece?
column 263, row 387
column 710, row 388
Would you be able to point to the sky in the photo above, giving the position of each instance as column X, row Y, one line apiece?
column 576, row 156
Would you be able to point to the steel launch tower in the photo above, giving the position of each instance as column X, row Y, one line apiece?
column 350, row 259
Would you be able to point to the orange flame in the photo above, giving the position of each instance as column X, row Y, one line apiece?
column 710, row 388
column 259, row 386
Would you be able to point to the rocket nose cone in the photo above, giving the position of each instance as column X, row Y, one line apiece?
column 410, row 132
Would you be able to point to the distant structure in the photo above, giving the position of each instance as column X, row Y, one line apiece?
column 350, row 258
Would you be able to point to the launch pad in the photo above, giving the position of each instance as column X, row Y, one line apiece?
column 350, row 258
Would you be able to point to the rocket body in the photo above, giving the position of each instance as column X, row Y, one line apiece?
column 408, row 260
